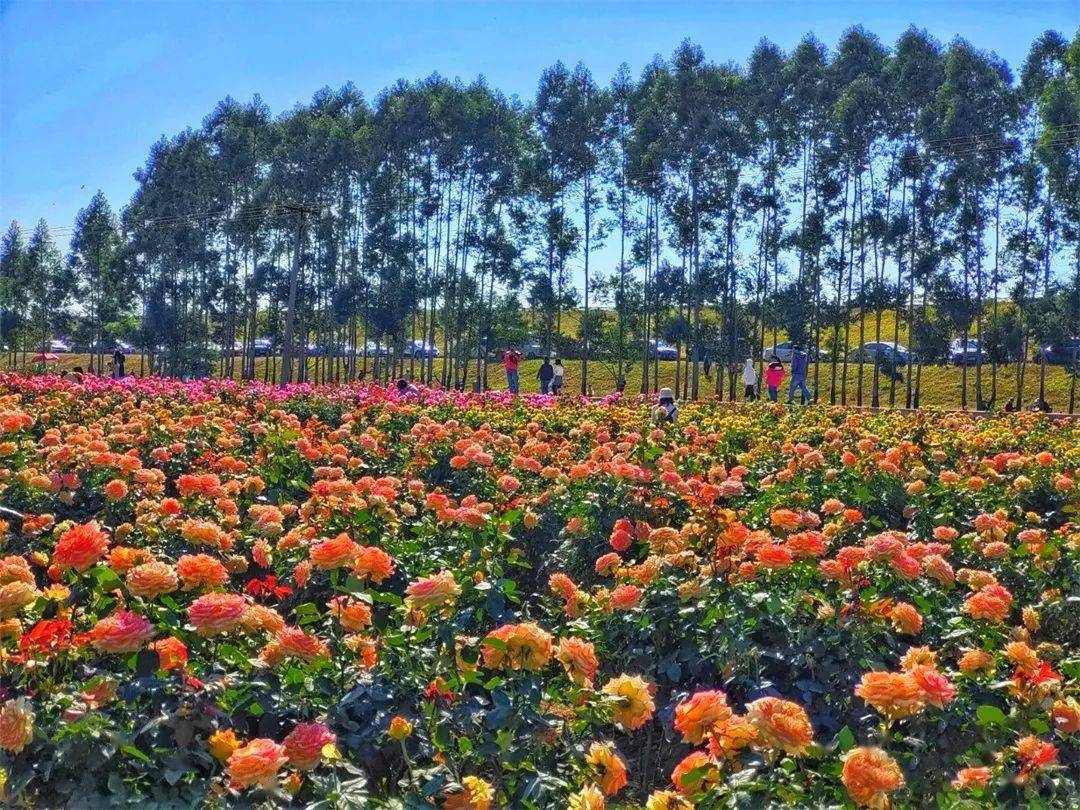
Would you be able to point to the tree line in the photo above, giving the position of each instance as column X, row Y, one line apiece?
column 801, row 195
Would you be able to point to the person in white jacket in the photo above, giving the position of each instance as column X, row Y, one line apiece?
column 749, row 378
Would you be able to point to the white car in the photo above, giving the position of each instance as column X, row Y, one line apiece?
column 784, row 350
column 59, row 346
column 662, row 351
column 421, row 348
column 973, row 354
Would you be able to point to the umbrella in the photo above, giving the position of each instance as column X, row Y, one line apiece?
column 43, row 357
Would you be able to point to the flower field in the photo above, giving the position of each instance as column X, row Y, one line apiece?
column 218, row 594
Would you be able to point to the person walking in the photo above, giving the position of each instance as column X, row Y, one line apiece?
column 118, row 363
column 546, row 374
column 800, row 364
column 511, row 361
column 707, row 364
column 558, row 376
column 749, row 379
column 774, row 375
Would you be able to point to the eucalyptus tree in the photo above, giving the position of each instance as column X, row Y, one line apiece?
column 975, row 109
column 552, row 174
column 857, row 71
column 646, row 177
column 704, row 145
column 1059, row 151
column 812, row 94
column 171, row 222
column 238, row 138
column 1026, row 192
column 620, row 199
column 14, row 291
column 768, row 89
column 50, row 285
column 913, row 75
column 571, row 113
column 104, row 289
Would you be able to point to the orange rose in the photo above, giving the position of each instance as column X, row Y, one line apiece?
column 400, row 728
column 116, row 489
column 578, row 658
column 222, row 743
column 607, row 766
column 625, row 597
column 434, row 591
column 906, row 619
column 870, row 775
column 1066, row 715
column 895, row 695
column 1034, row 755
column 936, row 689
column 781, row 724
column 16, row 725
column 172, row 653
column 975, row 661
column 353, row 615
column 517, row 647
column 125, row 631
column 698, row 715
column 773, row 556
column 633, row 700
column 262, row 618
column 373, row 563
column 472, row 794
column 14, row 596
column 589, row 797
column 201, row 571
column 294, row 641
column 256, row 763
column 151, row 579
column 336, row 552
column 80, row 547
column 731, row 736
column 695, row 773
column 967, row 778
column 216, row 613
column 990, row 602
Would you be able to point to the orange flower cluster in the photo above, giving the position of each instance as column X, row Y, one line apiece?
column 554, row 574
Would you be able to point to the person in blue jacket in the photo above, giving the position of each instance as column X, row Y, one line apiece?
column 800, row 365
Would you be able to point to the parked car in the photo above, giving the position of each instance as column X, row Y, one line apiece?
column 263, row 347
column 971, row 355
column 421, row 348
column 59, row 346
column 109, row 346
column 662, row 351
column 886, row 350
column 532, row 350
column 376, row 349
column 784, row 351
column 1066, row 353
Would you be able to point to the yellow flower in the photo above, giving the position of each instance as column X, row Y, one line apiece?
column 400, row 728
column 222, row 743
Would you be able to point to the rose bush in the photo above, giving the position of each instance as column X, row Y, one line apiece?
column 219, row 593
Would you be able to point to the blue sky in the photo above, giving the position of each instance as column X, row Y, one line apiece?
column 86, row 87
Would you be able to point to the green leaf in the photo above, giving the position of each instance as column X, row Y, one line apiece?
column 988, row 715
column 132, row 751
column 845, row 739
